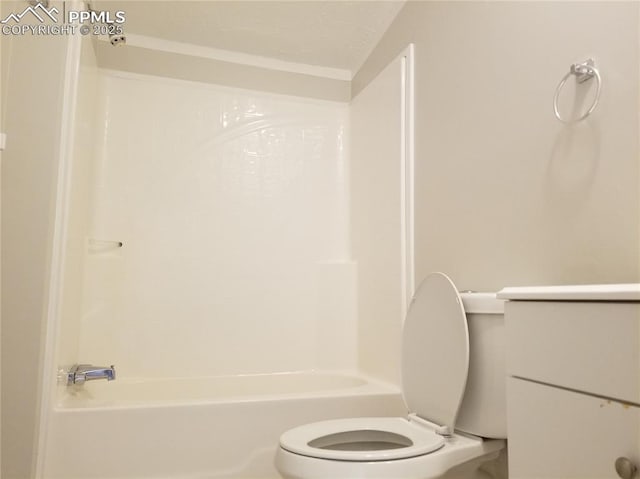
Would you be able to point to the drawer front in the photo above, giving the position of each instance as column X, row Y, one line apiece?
column 554, row 433
column 590, row 347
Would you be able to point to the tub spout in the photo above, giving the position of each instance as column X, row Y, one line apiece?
column 81, row 373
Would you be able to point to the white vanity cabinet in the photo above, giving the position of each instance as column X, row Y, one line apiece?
column 556, row 433
column 573, row 386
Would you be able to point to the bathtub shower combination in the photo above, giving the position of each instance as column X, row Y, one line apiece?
column 207, row 255
column 198, row 427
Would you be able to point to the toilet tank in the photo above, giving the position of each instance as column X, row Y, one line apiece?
column 483, row 411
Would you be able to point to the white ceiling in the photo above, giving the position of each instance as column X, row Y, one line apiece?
column 337, row 34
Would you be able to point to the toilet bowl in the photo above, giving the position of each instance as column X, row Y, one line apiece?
column 453, row 377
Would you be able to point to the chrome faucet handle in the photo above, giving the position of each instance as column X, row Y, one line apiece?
column 81, row 373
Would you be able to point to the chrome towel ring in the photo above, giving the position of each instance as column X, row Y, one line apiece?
column 582, row 71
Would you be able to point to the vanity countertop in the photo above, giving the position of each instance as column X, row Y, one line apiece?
column 582, row 292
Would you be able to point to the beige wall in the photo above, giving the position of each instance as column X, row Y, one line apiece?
column 505, row 193
column 32, row 70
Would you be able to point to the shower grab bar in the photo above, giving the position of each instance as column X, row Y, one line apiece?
column 583, row 72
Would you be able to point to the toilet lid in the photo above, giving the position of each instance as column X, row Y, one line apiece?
column 362, row 439
column 435, row 351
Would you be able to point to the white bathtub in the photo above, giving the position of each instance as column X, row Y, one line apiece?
column 221, row 427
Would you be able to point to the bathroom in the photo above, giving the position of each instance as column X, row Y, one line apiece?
column 225, row 210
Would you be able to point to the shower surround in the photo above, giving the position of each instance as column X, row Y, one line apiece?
column 206, row 256
column 207, row 253
column 231, row 206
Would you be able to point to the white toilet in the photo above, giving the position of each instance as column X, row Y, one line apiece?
column 453, row 376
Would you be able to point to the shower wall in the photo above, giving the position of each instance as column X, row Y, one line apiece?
column 232, row 209
column 376, row 220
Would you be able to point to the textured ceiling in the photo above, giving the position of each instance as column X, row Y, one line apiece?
column 337, row 34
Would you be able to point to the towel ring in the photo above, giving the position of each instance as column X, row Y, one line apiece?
column 582, row 71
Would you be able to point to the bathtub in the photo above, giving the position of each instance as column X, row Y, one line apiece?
column 216, row 427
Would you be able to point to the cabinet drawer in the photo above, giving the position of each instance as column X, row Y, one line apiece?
column 554, row 433
column 591, row 347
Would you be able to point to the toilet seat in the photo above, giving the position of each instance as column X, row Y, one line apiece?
column 362, row 439
column 435, row 352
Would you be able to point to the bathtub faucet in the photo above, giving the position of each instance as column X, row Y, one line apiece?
column 81, row 373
